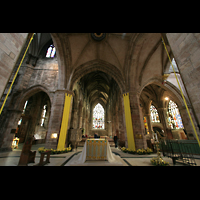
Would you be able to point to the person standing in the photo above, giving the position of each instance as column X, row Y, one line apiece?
column 115, row 140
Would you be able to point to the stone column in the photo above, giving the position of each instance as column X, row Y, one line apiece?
column 12, row 118
column 56, row 117
column 186, row 50
column 75, row 117
column 137, row 120
column 150, row 129
column 117, row 122
column 86, row 123
column 80, row 119
column 108, row 121
column 163, row 119
column 113, row 125
column 187, row 124
column 121, row 126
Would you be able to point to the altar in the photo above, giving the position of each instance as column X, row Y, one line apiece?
column 96, row 150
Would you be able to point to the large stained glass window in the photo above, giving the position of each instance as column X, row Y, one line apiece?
column 174, row 117
column 51, row 52
column 98, row 117
column 154, row 114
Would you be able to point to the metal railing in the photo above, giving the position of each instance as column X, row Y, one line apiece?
column 180, row 150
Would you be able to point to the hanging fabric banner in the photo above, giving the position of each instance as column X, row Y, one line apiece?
column 129, row 126
column 64, row 124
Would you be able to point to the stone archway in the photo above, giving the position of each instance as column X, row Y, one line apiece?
column 22, row 97
column 98, row 65
column 35, row 118
column 160, row 95
column 29, row 120
column 99, row 81
column 63, row 53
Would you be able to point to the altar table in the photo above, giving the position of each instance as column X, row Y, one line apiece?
column 96, row 149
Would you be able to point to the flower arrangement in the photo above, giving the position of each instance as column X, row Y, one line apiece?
column 54, row 151
column 138, row 151
column 159, row 162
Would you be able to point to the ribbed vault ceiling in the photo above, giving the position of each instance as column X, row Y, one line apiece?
column 98, row 85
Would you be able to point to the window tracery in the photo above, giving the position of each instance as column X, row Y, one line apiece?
column 51, row 52
column 43, row 114
column 174, row 117
column 98, row 117
column 154, row 114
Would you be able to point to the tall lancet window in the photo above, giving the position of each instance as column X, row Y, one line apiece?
column 98, row 117
column 51, row 52
column 154, row 114
column 43, row 114
column 174, row 117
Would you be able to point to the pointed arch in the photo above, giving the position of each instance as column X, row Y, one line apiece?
column 98, row 117
column 98, row 65
column 154, row 114
column 174, row 117
column 63, row 54
column 22, row 97
column 51, row 51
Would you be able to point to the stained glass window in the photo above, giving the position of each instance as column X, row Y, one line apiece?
column 51, row 52
column 23, row 112
column 174, row 117
column 98, row 117
column 25, row 107
column 154, row 114
column 43, row 114
column 146, row 125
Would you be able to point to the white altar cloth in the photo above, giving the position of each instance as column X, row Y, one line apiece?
column 80, row 159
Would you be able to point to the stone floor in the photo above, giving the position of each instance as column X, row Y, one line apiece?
column 12, row 158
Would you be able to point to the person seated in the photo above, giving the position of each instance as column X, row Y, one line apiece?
column 96, row 135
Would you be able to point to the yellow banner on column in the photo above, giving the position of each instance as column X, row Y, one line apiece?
column 129, row 126
column 64, row 124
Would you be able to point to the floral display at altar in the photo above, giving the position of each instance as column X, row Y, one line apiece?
column 55, row 151
column 138, row 151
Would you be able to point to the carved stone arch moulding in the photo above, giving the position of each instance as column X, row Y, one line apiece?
column 99, row 65
column 25, row 95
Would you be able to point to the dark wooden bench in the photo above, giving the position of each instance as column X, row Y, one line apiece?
column 31, row 158
column 42, row 162
column 27, row 156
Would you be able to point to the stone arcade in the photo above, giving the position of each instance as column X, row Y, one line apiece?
column 98, row 68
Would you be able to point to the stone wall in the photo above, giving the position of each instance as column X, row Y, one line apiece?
column 30, row 81
column 11, row 45
column 186, row 50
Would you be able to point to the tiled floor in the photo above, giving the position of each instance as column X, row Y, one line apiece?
column 12, row 158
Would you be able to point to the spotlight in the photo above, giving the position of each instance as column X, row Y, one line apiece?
column 54, row 135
